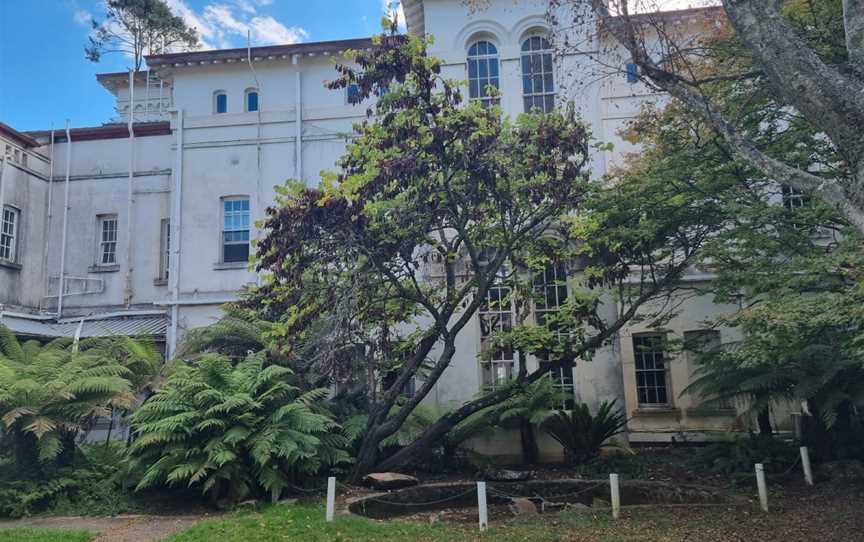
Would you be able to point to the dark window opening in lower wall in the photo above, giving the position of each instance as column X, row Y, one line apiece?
column 652, row 388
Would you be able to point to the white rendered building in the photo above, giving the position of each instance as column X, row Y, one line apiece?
column 151, row 232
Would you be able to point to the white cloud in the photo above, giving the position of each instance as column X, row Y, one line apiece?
column 225, row 25
column 83, row 17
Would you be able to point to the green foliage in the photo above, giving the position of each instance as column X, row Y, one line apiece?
column 51, row 393
column 234, row 335
column 231, row 430
column 737, row 456
column 91, row 486
column 46, row 535
column 138, row 28
column 583, row 434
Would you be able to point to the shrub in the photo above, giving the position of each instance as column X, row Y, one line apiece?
column 92, row 485
column 49, row 394
column 234, row 430
column 739, row 455
column 581, row 434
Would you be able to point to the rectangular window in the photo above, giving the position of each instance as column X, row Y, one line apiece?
column 164, row 248
column 632, row 73
column 550, row 292
column 794, row 199
column 496, row 316
column 235, row 230
column 107, row 254
column 221, row 104
column 651, row 366
column 9, row 234
column 252, row 101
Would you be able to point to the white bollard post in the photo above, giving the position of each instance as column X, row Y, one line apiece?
column 616, row 495
column 805, row 463
column 483, row 513
column 763, row 490
column 331, row 498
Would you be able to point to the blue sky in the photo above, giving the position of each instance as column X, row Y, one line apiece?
column 45, row 78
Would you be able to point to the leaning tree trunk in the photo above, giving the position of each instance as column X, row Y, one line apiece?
column 763, row 419
column 528, row 438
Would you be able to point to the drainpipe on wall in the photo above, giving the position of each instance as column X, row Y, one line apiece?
column 48, row 221
column 176, row 237
column 298, row 124
column 128, row 290
column 3, row 183
column 259, row 196
column 62, row 281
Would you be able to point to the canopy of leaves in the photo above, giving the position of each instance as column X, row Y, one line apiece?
column 138, row 28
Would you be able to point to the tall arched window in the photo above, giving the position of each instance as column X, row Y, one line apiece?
column 538, row 80
column 220, row 102
column 482, row 71
column 251, row 100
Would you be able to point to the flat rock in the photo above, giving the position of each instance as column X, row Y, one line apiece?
column 507, row 475
column 389, row 480
column 523, row 507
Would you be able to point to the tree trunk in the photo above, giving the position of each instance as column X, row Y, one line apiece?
column 764, row 421
column 528, row 438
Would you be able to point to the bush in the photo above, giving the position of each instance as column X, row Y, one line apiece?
column 92, row 485
column 581, row 434
column 234, row 430
column 739, row 455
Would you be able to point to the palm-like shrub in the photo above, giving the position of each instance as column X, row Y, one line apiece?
column 581, row 434
column 232, row 430
column 49, row 394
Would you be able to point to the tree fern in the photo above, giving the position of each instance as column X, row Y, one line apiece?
column 231, row 429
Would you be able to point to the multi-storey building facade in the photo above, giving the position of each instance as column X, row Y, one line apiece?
column 142, row 225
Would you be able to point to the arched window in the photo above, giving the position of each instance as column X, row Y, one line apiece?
column 220, row 102
column 538, row 80
column 251, row 99
column 482, row 71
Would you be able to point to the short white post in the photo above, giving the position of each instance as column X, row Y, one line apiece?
column 763, row 490
column 805, row 463
column 616, row 495
column 331, row 498
column 482, row 512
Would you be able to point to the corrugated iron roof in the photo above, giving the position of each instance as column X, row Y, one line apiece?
column 133, row 326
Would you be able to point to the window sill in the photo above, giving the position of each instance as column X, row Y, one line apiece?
column 104, row 268
column 160, row 282
column 657, row 412
column 10, row 265
column 224, row 266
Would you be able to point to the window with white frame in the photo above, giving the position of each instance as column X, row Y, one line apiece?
column 652, row 388
column 496, row 316
column 538, row 80
column 550, row 292
column 9, row 227
column 164, row 248
column 107, row 240
column 483, row 72
column 220, row 102
column 235, row 229
column 794, row 199
column 251, row 100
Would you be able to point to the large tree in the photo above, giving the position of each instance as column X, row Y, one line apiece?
column 444, row 210
column 138, row 28
column 823, row 87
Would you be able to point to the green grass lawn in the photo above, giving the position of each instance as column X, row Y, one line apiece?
column 43, row 535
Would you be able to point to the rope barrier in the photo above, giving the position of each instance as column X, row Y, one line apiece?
column 427, row 503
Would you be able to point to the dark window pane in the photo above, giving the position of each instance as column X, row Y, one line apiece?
column 221, row 103
column 252, row 101
column 237, row 253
